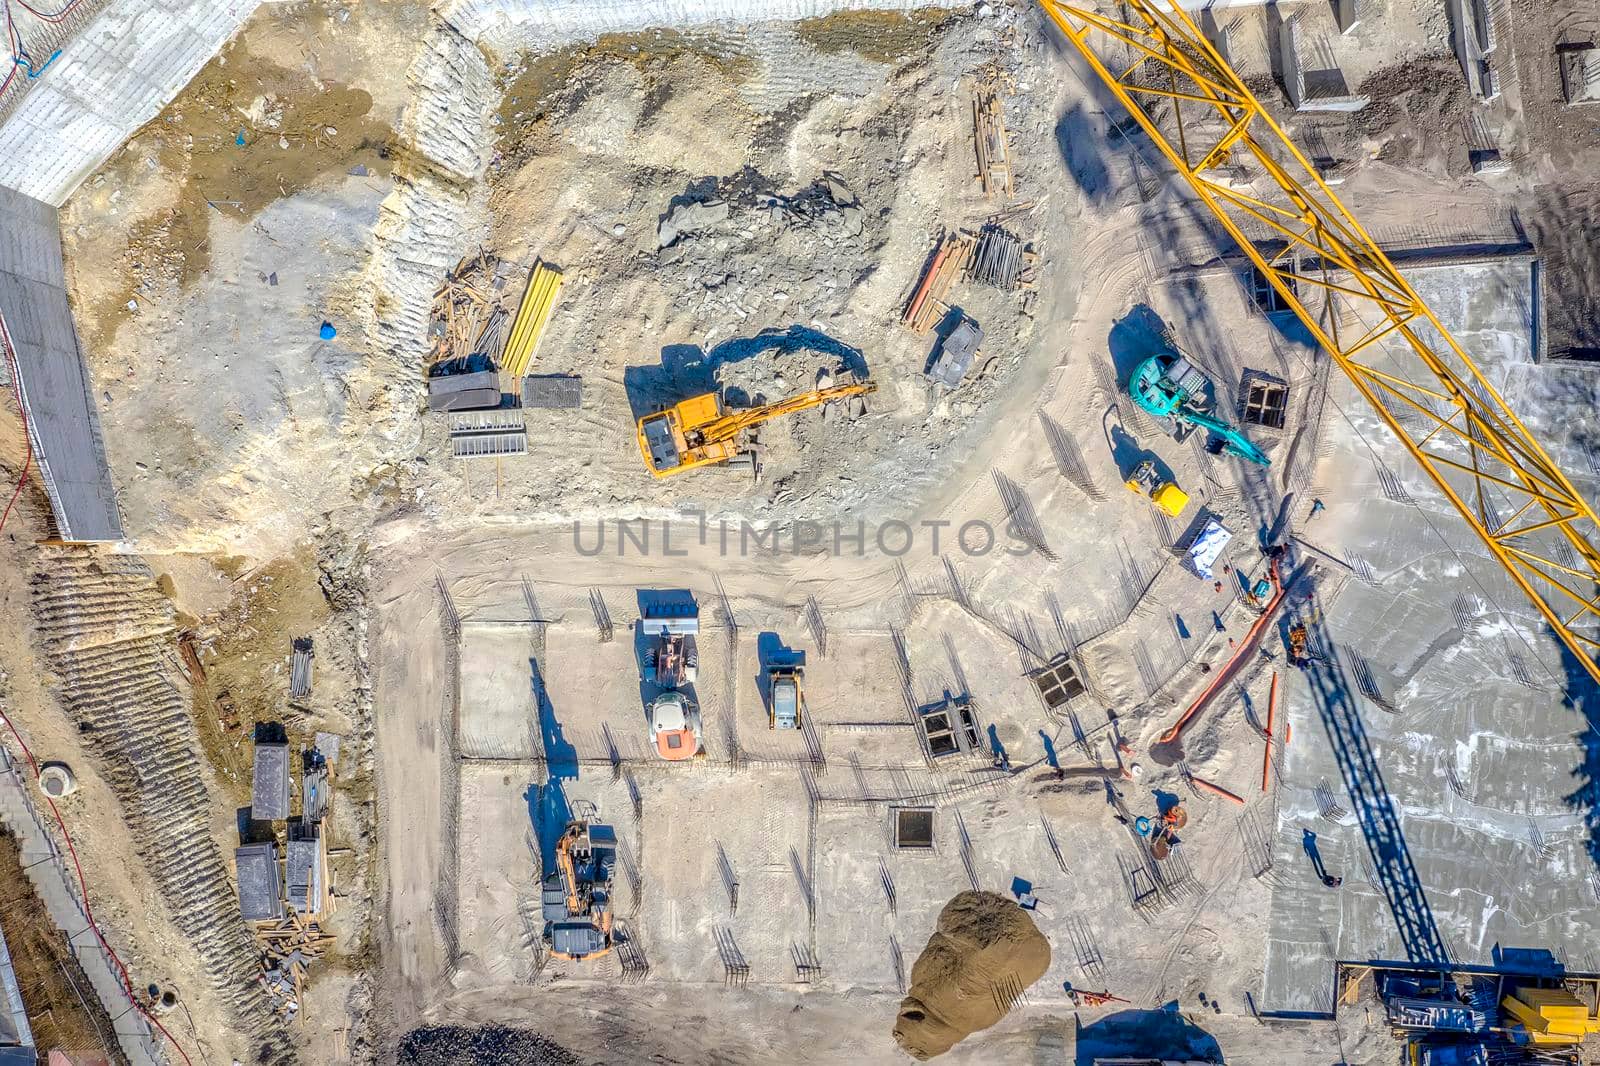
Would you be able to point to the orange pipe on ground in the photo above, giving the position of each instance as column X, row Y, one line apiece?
column 1245, row 647
column 921, row 295
column 1218, row 789
column 1272, row 717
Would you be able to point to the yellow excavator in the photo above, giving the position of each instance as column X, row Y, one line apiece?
column 701, row 431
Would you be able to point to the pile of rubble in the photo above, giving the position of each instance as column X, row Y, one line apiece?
column 827, row 206
column 765, row 255
column 288, row 948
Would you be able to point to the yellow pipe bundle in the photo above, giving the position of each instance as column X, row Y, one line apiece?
column 538, row 301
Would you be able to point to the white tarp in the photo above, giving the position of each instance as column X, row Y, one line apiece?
column 1207, row 547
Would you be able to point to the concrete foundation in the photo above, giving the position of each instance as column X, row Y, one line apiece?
column 1440, row 804
column 1310, row 74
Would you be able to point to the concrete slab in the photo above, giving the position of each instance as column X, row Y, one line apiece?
column 498, row 717
column 36, row 324
column 1445, row 730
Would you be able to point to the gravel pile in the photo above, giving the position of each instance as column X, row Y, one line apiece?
column 490, row 1045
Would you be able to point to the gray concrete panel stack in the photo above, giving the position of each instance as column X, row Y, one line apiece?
column 269, row 794
column 260, row 891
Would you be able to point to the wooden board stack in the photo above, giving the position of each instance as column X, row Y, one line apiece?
column 928, row 304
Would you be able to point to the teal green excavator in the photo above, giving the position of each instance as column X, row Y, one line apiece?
column 1174, row 390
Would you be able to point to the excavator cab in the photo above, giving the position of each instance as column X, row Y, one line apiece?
column 660, row 449
column 666, row 436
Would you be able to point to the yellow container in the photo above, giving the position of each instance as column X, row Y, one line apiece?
column 1171, row 499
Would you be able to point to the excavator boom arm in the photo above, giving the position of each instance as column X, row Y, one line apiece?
column 734, row 423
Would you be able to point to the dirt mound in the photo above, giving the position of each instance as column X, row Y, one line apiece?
column 984, row 952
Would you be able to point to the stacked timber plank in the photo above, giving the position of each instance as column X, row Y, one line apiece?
column 538, row 301
column 928, row 303
column 991, row 140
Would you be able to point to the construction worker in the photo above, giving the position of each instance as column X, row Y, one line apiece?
column 1299, row 645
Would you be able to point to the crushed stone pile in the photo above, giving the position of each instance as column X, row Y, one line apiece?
column 452, row 1045
column 742, row 243
column 985, row 950
column 797, row 450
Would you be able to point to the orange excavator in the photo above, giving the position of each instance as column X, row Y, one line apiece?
column 577, row 895
column 702, row 431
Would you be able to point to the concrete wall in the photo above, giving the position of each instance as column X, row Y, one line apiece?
column 115, row 75
column 1473, row 38
column 1310, row 88
column 51, row 379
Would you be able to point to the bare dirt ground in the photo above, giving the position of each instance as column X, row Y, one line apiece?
column 279, row 486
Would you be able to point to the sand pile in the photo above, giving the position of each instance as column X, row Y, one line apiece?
column 984, row 951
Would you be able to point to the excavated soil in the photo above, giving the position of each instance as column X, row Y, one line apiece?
column 984, row 952
column 834, row 200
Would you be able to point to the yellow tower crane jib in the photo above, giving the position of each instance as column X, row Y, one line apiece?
column 1421, row 383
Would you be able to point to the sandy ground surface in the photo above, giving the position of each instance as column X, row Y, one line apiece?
column 281, row 486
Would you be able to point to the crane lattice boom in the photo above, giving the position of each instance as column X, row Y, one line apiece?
column 1420, row 382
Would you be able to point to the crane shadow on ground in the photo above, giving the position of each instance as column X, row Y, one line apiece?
column 1394, row 871
column 1135, row 337
column 1583, row 696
